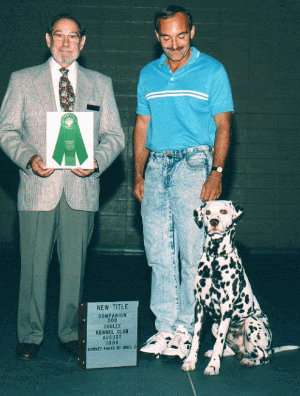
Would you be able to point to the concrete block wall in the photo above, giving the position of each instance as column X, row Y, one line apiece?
column 257, row 41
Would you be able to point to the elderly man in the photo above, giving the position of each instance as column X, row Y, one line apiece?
column 182, row 133
column 56, row 205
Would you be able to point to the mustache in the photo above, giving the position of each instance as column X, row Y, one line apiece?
column 174, row 49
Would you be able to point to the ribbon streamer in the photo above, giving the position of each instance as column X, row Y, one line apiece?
column 69, row 142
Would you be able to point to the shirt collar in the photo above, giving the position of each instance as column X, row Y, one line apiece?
column 56, row 66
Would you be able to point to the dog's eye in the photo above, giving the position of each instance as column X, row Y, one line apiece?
column 223, row 211
column 208, row 212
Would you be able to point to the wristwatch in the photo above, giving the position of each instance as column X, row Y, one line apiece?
column 218, row 169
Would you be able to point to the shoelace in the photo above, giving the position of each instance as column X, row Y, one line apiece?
column 180, row 338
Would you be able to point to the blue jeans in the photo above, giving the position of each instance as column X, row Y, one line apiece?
column 173, row 241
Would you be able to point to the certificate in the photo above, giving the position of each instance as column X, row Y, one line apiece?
column 70, row 140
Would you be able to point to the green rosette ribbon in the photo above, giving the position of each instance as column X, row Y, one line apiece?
column 69, row 142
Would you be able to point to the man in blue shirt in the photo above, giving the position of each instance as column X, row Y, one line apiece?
column 181, row 141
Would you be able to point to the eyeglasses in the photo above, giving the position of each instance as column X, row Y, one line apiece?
column 72, row 37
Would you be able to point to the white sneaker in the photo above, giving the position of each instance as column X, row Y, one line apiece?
column 157, row 343
column 180, row 343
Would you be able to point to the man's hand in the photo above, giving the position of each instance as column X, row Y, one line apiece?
column 85, row 172
column 138, row 189
column 38, row 167
column 212, row 188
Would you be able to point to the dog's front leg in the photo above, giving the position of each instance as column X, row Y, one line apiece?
column 214, row 364
column 190, row 361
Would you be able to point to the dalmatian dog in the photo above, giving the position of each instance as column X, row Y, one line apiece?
column 223, row 291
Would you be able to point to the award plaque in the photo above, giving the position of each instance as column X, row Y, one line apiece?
column 70, row 140
column 108, row 334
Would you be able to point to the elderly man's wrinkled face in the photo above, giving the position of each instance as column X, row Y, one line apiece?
column 65, row 42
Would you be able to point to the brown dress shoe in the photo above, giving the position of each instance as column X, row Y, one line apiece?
column 26, row 351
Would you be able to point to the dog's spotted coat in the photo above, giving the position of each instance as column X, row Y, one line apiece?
column 223, row 291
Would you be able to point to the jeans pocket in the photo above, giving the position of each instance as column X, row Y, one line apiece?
column 197, row 160
column 153, row 164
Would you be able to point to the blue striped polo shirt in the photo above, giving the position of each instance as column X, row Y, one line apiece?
column 182, row 105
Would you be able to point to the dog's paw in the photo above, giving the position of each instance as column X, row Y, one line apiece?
column 252, row 362
column 188, row 365
column 211, row 370
column 227, row 352
column 213, row 366
column 247, row 362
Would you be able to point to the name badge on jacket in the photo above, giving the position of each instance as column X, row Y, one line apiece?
column 92, row 107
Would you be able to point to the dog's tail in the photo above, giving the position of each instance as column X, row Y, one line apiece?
column 284, row 348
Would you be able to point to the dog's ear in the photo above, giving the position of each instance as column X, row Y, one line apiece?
column 198, row 216
column 237, row 212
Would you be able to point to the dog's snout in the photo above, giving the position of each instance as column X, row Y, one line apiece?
column 214, row 222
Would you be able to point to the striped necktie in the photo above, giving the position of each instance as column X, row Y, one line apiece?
column 66, row 92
